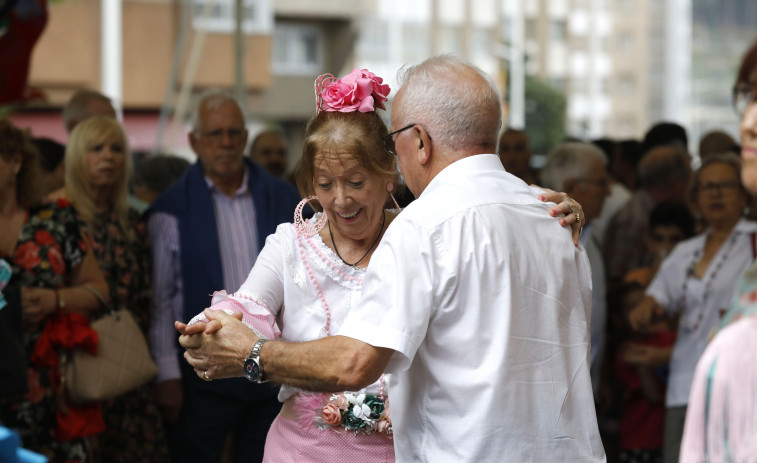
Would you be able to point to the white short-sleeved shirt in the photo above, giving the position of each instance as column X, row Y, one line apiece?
column 486, row 302
column 699, row 317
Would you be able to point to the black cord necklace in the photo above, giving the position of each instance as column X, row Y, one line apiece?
column 381, row 230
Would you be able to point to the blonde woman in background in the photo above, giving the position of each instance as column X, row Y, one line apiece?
column 98, row 169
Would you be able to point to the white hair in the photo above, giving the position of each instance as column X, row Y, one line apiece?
column 457, row 111
column 212, row 99
column 568, row 162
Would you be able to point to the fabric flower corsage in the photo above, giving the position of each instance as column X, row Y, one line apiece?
column 360, row 90
column 358, row 413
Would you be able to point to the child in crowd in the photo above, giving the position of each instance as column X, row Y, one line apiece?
column 641, row 361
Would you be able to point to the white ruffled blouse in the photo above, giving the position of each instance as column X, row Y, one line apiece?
column 296, row 281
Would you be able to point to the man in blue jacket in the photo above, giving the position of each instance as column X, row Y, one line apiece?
column 206, row 232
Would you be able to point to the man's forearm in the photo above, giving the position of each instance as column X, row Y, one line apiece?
column 331, row 364
column 218, row 348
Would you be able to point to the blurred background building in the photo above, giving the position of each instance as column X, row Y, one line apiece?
column 567, row 68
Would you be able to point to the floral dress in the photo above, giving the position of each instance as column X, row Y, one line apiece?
column 133, row 425
column 49, row 249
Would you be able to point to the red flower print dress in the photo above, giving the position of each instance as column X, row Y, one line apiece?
column 49, row 249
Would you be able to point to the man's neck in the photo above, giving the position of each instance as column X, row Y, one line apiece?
column 228, row 185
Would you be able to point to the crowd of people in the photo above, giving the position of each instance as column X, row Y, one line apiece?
column 306, row 314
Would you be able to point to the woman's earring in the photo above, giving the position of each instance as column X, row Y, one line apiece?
column 389, row 186
column 302, row 226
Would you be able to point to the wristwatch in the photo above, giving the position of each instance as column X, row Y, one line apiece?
column 253, row 371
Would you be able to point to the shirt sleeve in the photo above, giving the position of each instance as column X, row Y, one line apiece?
column 667, row 285
column 398, row 294
column 166, row 306
column 261, row 296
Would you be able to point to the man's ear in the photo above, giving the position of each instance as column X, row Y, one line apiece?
column 423, row 144
column 192, row 138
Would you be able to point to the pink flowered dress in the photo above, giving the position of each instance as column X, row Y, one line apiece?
column 299, row 290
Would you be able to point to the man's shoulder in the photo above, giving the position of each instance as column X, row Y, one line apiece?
column 174, row 198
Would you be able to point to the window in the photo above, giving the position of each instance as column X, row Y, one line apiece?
column 416, row 42
column 558, row 83
column 373, row 42
column 218, row 16
column 297, row 49
column 481, row 40
column 625, row 42
column 626, row 85
column 450, row 39
column 558, row 31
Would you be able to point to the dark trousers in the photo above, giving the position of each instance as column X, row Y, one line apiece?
column 208, row 417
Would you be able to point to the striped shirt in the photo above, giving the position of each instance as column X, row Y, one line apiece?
column 237, row 239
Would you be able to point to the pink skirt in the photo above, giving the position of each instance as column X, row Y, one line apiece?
column 289, row 441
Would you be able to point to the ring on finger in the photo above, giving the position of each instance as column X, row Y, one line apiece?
column 205, row 376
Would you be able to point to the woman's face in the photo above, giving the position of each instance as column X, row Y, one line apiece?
column 8, row 170
column 352, row 197
column 719, row 196
column 105, row 162
column 748, row 133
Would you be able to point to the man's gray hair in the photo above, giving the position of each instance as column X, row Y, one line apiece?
column 212, row 99
column 457, row 112
column 569, row 161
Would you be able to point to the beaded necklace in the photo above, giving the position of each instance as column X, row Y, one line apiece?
column 694, row 325
column 319, row 290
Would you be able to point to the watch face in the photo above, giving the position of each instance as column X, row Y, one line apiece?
column 251, row 370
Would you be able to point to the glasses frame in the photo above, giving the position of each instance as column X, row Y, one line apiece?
column 721, row 188
column 389, row 145
column 217, row 136
column 744, row 94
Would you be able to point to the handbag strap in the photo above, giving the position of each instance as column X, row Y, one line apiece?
column 92, row 290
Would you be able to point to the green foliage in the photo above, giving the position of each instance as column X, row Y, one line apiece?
column 545, row 115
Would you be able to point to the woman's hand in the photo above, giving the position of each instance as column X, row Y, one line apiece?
column 37, row 303
column 574, row 213
column 647, row 356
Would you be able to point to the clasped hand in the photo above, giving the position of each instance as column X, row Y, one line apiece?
column 217, row 348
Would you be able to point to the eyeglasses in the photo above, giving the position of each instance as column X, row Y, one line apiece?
column 217, row 136
column 744, row 94
column 389, row 139
column 720, row 187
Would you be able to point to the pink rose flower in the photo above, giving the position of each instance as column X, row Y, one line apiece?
column 332, row 415
column 380, row 90
column 357, row 91
column 384, row 426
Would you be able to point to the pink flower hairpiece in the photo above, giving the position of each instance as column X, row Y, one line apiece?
column 359, row 91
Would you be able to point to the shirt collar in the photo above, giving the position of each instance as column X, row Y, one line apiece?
column 243, row 188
